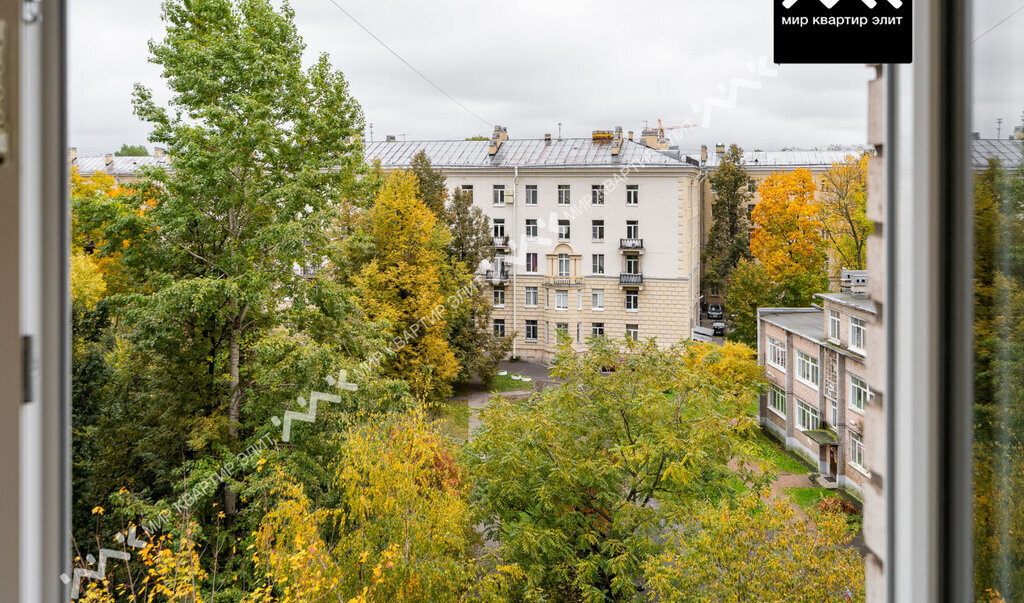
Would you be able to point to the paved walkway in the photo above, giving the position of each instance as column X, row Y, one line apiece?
column 478, row 396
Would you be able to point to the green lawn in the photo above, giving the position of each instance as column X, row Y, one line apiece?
column 452, row 419
column 772, row 453
column 808, row 499
column 505, row 383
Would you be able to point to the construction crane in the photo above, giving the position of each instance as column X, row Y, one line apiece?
column 661, row 128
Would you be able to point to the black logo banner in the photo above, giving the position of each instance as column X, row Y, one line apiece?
column 843, row 31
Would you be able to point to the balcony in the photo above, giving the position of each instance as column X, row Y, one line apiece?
column 563, row 281
column 631, row 279
column 501, row 276
column 500, row 242
column 631, row 244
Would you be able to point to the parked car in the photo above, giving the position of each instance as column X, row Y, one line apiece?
column 715, row 311
column 718, row 327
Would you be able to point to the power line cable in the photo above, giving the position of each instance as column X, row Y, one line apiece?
column 989, row 30
column 409, row 65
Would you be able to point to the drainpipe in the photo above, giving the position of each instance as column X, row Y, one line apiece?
column 696, row 295
column 515, row 266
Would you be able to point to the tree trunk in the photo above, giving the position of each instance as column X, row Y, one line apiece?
column 234, row 404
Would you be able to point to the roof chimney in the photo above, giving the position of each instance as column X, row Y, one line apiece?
column 617, row 141
column 499, row 136
column 719, row 150
column 389, row 138
column 547, row 137
column 108, row 159
column 652, row 138
column 703, row 153
column 72, row 154
column 158, row 152
column 631, row 134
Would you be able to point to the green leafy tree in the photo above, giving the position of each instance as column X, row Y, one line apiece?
column 749, row 289
column 432, row 191
column 132, row 150
column 470, row 228
column 843, row 202
column 578, row 482
column 728, row 241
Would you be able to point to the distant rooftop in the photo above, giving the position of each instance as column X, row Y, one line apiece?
column 118, row 166
column 1009, row 152
column 808, row 323
column 791, row 158
column 858, row 301
column 530, row 152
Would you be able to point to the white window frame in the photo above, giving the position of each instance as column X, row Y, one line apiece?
column 805, row 363
column 564, row 264
column 597, row 230
column 535, row 293
column 499, row 325
column 597, row 300
column 531, row 195
column 536, row 263
column 498, row 227
column 859, row 327
column 597, row 194
column 777, row 400
column 632, row 194
column 498, row 195
column 536, row 331
column 597, row 263
column 833, row 413
column 597, row 329
column 531, row 228
column 807, row 418
column 564, row 230
column 562, row 300
column 857, row 453
column 859, row 390
column 633, row 332
column 834, row 324
column 468, row 188
column 775, row 355
column 633, row 294
column 564, row 194
column 632, row 229
column 499, row 297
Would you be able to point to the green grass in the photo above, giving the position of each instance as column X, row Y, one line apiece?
column 452, row 419
column 808, row 499
column 505, row 383
column 773, row 454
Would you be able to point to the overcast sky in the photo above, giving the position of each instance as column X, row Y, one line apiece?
column 527, row 65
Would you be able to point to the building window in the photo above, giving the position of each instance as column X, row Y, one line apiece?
column 467, row 189
column 597, row 263
column 531, row 194
column 632, row 194
column 597, row 194
column 531, row 228
column 632, row 229
column 563, row 230
column 751, row 186
column 562, row 299
column 750, row 211
column 579, row 299
column 858, row 393
column 597, row 329
column 563, row 194
column 499, row 327
column 834, row 413
column 777, row 399
column 807, row 369
column 560, row 329
column 563, row 264
column 856, row 334
column 597, row 230
column 498, row 226
column 531, row 330
column 633, row 332
column 499, row 297
column 531, row 297
column 776, row 355
column 632, row 264
column 806, row 415
column 857, row 450
column 597, row 299
column 833, row 325
column 531, row 262
column 632, row 299
column 499, row 194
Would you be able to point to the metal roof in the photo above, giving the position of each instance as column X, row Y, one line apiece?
column 792, row 158
column 119, row 166
column 1009, row 152
column 558, row 152
column 854, row 300
column 808, row 323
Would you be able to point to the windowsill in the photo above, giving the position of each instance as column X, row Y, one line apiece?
column 776, row 367
column 561, row 309
column 808, row 383
column 856, row 410
column 563, row 240
column 858, row 351
column 803, row 429
column 531, row 340
column 633, row 310
column 531, row 238
column 597, row 240
column 862, row 470
column 498, row 205
column 597, row 309
column 534, row 306
column 498, row 306
column 777, row 411
column 834, row 341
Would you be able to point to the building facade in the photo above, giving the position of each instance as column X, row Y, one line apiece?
column 818, row 393
column 591, row 236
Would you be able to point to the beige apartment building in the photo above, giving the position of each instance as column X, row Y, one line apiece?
column 591, row 236
column 814, row 360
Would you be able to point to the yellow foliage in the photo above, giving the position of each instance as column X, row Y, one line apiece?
column 787, row 237
column 87, row 283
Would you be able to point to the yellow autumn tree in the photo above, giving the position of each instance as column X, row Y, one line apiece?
column 402, row 286
column 87, row 284
column 758, row 551
column 787, row 239
column 844, row 213
column 401, row 530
